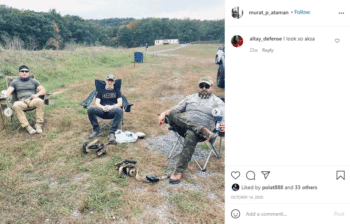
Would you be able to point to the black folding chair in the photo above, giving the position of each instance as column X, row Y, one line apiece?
column 99, row 84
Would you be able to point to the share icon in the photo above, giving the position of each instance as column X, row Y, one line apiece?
column 265, row 173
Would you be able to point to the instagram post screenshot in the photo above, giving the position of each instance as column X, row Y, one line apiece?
column 114, row 111
column 288, row 106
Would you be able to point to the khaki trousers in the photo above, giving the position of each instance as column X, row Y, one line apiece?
column 20, row 106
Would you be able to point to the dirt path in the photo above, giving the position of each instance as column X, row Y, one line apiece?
column 175, row 48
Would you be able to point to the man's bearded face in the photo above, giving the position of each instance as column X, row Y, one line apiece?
column 205, row 90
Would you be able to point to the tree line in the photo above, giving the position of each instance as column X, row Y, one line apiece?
column 25, row 29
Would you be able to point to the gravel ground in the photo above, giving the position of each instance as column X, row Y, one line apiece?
column 163, row 145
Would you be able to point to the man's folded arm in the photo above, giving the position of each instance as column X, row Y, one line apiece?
column 98, row 103
column 119, row 103
column 41, row 91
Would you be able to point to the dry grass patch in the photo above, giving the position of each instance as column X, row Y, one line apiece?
column 195, row 207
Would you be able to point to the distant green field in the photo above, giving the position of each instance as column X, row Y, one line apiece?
column 197, row 50
column 56, row 68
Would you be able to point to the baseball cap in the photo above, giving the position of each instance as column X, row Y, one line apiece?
column 23, row 68
column 206, row 79
column 110, row 77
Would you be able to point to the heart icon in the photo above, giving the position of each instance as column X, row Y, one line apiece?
column 337, row 40
column 235, row 174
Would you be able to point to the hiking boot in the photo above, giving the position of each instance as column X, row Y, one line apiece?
column 95, row 134
column 38, row 128
column 30, row 130
column 175, row 178
column 208, row 135
column 111, row 138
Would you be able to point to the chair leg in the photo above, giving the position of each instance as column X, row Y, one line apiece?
column 32, row 117
column 206, row 162
column 193, row 157
column 13, row 121
column 210, row 146
column 212, row 149
column 199, row 166
column 104, row 123
column 174, row 147
column 219, row 155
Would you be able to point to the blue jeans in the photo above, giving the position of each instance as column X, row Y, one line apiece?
column 115, row 114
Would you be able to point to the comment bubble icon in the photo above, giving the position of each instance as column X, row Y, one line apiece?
column 250, row 175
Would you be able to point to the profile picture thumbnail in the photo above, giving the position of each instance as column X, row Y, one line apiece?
column 237, row 13
column 235, row 187
column 237, row 41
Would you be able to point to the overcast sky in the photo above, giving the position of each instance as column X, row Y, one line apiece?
column 103, row 9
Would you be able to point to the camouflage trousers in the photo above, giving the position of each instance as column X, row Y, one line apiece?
column 191, row 134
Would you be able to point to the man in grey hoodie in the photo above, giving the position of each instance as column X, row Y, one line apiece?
column 197, row 123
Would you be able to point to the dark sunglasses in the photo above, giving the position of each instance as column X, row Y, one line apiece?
column 24, row 71
column 202, row 85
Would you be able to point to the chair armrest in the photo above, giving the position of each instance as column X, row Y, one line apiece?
column 126, row 104
column 3, row 100
column 3, row 103
column 86, row 103
column 220, row 133
column 127, row 108
column 46, row 98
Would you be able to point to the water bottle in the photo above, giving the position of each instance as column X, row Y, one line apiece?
column 218, row 123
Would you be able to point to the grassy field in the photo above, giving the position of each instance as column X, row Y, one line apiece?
column 198, row 51
column 46, row 178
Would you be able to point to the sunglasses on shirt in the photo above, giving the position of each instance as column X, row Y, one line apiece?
column 202, row 85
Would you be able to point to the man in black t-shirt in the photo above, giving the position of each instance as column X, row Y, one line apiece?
column 107, row 106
